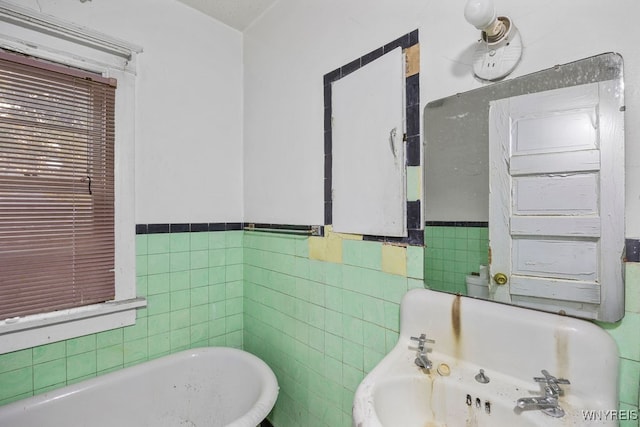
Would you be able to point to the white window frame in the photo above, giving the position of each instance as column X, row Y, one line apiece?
column 46, row 37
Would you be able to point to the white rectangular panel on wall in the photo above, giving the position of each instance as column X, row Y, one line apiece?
column 557, row 200
column 368, row 154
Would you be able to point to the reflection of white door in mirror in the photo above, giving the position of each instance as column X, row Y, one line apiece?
column 557, row 200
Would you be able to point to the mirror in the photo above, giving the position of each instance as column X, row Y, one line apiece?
column 457, row 196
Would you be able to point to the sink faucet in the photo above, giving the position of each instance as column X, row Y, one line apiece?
column 421, row 356
column 549, row 403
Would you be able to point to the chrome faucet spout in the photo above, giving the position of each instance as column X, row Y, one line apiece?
column 536, row 403
column 422, row 360
column 549, row 402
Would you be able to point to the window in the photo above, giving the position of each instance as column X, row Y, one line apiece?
column 102, row 59
column 56, row 187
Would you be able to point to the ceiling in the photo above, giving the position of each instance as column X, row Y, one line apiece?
column 238, row 14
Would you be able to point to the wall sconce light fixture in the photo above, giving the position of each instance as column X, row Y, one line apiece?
column 499, row 49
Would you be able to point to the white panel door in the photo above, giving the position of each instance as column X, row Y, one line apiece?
column 557, row 200
column 368, row 155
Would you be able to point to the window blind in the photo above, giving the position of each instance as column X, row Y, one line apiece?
column 57, row 243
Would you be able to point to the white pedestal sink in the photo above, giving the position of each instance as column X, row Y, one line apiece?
column 512, row 345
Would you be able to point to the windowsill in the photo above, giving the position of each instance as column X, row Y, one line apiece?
column 30, row 331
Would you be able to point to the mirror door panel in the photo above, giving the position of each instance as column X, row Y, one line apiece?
column 556, row 212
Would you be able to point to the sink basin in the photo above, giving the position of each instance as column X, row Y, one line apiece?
column 400, row 401
column 512, row 345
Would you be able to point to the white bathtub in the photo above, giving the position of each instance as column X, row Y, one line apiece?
column 203, row 387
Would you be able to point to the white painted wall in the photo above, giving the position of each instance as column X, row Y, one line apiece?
column 288, row 50
column 189, row 144
column 189, row 105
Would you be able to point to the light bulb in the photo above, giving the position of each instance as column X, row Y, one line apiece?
column 499, row 49
column 480, row 13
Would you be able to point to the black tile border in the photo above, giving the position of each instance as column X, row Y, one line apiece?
column 413, row 151
column 632, row 250
column 234, row 226
column 415, row 238
column 158, row 228
column 179, row 228
column 371, row 56
column 188, row 227
column 219, row 226
column 456, row 224
column 412, row 116
column 142, row 229
column 412, row 84
column 413, row 215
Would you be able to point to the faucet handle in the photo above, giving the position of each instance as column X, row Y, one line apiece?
column 550, row 379
column 422, row 339
column 551, row 382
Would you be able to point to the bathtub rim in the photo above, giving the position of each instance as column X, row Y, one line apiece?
column 258, row 412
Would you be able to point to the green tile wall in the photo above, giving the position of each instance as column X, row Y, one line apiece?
column 627, row 334
column 321, row 326
column 451, row 253
column 194, row 287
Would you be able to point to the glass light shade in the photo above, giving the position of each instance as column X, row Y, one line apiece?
column 480, row 13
